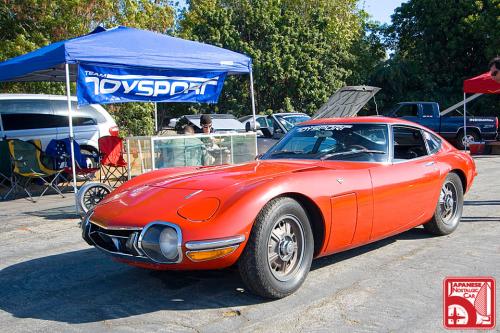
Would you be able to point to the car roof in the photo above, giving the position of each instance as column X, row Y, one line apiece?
column 290, row 114
column 360, row 120
column 36, row 96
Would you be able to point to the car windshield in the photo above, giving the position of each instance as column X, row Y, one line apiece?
column 289, row 120
column 345, row 142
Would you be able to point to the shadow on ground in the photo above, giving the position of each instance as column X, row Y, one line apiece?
column 59, row 213
column 87, row 286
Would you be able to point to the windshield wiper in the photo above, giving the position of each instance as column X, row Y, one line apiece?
column 352, row 152
column 286, row 152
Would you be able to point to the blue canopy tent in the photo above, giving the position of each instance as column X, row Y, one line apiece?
column 176, row 70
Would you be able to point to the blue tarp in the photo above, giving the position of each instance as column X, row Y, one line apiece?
column 123, row 47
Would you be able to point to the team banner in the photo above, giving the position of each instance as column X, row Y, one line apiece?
column 104, row 85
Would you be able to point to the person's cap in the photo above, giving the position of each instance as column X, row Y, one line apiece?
column 205, row 119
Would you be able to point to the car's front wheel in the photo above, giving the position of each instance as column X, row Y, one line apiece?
column 279, row 252
column 449, row 207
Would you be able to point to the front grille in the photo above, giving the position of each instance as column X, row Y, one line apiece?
column 122, row 242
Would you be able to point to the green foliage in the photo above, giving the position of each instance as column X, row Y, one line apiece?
column 133, row 118
column 302, row 51
column 437, row 45
column 28, row 25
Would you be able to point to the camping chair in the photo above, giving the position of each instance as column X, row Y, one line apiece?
column 6, row 173
column 27, row 160
column 60, row 151
column 112, row 162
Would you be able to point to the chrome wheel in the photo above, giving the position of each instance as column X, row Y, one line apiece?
column 448, row 203
column 285, row 247
column 467, row 139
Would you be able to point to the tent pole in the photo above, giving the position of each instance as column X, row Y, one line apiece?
column 253, row 110
column 156, row 118
column 465, row 121
column 253, row 100
column 71, row 136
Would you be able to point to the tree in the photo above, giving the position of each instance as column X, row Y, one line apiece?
column 438, row 44
column 28, row 25
column 301, row 50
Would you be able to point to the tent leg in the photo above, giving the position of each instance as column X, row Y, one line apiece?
column 71, row 136
column 465, row 122
column 156, row 118
column 253, row 109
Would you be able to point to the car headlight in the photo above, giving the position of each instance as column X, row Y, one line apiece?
column 161, row 242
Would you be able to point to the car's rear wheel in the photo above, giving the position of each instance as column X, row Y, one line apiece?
column 449, row 207
column 464, row 140
column 279, row 252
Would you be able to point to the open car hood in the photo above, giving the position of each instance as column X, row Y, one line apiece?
column 346, row 102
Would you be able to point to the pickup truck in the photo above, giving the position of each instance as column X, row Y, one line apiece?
column 449, row 127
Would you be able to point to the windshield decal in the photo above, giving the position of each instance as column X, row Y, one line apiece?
column 323, row 128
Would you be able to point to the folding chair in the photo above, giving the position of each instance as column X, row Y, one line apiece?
column 60, row 151
column 27, row 161
column 6, row 173
column 112, row 162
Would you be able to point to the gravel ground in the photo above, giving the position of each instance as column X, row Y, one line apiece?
column 50, row 280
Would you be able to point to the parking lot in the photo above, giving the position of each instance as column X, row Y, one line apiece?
column 51, row 280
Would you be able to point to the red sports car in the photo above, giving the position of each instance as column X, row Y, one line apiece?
column 329, row 185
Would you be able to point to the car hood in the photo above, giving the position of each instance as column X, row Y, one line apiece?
column 215, row 178
column 151, row 199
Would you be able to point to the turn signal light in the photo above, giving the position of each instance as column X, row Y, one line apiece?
column 204, row 255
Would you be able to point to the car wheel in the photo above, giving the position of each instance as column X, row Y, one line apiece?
column 449, row 207
column 279, row 252
column 464, row 140
column 90, row 194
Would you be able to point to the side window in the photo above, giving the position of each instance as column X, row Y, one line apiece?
column 262, row 121
column 82, row 121
column 407, row 110
column 433, row 142
column 87, row 111
column 427, row 111
column 408, row 143
column 26, row 121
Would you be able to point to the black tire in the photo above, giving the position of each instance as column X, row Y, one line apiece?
column 292, row 250
column 449, row 207
column 90, row 194
column 472, row 135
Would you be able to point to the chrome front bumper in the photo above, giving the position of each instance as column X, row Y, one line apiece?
column 125, row 243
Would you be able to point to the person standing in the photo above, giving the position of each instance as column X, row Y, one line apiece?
column 206, row 123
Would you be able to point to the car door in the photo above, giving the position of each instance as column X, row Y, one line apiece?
column 429, row 117
column 404, row 191
column 28, row 119
column 408, row 112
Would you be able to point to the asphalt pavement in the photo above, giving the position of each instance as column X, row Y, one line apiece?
column 52, row 281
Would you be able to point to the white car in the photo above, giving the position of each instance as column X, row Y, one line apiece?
column 45, row 117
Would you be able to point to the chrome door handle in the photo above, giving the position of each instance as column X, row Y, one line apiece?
column 429, row 163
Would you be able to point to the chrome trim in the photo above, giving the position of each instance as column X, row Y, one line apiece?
column 192, row 194
column 215, row 243
column 179, row 240
column 120, row 254
column 114, row 228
